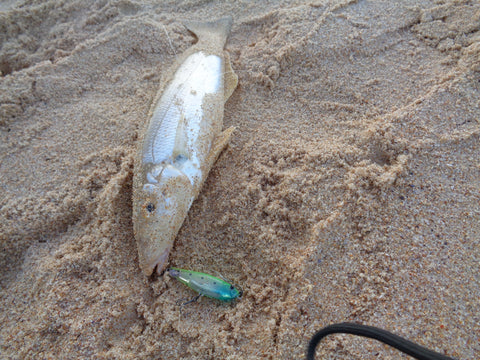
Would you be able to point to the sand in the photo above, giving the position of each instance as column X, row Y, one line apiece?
column 350, row 190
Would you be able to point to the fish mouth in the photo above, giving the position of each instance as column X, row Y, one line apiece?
column 160, row 263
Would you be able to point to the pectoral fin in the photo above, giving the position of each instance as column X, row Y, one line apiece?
column 220, row 142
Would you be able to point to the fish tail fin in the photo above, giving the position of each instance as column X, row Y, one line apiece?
column 217, row 30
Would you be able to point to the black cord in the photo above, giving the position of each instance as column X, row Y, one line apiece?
column 399, row 343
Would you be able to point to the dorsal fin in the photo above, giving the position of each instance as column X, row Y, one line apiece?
column 230, row 78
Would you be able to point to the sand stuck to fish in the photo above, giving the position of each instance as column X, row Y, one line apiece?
column 350, row 190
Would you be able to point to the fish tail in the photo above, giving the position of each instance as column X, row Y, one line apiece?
column 215, row 32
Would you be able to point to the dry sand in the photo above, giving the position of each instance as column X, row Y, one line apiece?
column 350, row 190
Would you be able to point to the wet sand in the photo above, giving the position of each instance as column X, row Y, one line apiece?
column 350, row 190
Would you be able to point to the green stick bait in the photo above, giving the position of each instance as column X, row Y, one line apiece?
column 206, row 285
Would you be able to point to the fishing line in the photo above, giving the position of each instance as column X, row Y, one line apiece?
column 399, row 343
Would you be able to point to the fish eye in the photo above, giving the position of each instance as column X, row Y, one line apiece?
column 150, row 207
column 232, row 287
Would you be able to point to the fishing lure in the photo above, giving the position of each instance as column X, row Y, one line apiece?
column 181, row 142
column 206, row 285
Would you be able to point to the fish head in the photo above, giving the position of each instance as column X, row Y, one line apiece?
column 163, row 204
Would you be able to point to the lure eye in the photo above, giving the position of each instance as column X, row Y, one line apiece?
column 232, row 287
column 173, row 272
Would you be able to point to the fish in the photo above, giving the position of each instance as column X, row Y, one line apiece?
column 181, row 141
